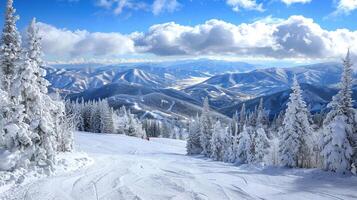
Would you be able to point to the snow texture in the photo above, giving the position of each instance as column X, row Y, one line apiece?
column 131, row 168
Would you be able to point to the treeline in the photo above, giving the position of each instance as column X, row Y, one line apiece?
column 99, row 117
column 290, row 140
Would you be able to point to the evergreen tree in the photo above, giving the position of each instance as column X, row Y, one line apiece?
column 217, row 148
column 262, row 146
column 339, row 126
column 244, row 147
column 242, row 118
column 234, row 125
column 295, row 145
column 262, row 118
column 106, row 117
column 206, row 129
column 10, row 49
column 95, row 120
column 228, row 140
column 193, row 142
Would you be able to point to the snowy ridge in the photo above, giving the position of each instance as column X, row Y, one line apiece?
column 268, row 81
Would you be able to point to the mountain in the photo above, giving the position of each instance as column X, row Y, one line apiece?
column 74, row 78
column 218, row 97
column 268, row 81
column 145, row 101
column 316, row 97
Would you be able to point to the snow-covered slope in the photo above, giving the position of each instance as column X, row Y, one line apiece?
column 131, row 168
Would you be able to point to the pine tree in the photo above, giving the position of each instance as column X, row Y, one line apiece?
column 10, row 49
column 244, row 149
column 227, row 139
column 242, row 118
column 217, row 148
column 193, row 142
column 262, row 146
column 339, row 126
column 106, row 117
column 262, row 119
column 206, row 129
column 295, row 145
column 234, row 125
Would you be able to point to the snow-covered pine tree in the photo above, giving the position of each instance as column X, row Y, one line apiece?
column 106, row 117
column 121, row 122
column 261, row 141
column 262, row 118
column 49, row 112
column 193, row 142
column 296, row 133
column 10, row 49
column 234, row 125
column 339, row 126
column 131, row 131
column 206, row 129
column 262, row 145
column 217, row 149
column 227, row 139
column 244, row 149
column 95, row 120
column 242, row 118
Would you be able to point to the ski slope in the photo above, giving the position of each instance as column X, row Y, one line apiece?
column 131, row 168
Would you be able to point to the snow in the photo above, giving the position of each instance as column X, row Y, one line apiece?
column 132, row 168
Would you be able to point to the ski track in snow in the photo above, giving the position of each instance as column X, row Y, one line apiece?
column 131, row 168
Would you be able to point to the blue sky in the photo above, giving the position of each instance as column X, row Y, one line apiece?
column 87, row 14
column 107, row 16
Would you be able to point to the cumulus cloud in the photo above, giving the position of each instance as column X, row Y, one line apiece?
column 289, row 2
column 245, row 4
column 345, row 6
column 64, row 44
column 294, row 38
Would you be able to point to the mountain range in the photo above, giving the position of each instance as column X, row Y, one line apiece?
column 151, row 89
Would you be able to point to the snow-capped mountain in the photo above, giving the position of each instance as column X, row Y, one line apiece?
column 316, row 97
column 218, row 97
column 72, row 81
column 145, row 88
column 267, row 81
column 80, row 77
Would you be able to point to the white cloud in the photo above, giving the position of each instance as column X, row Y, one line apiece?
column 289, row 2
column 164, row 5
column 64, row 44
column 294, row 38
column 345, row 6
column 245, row 4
